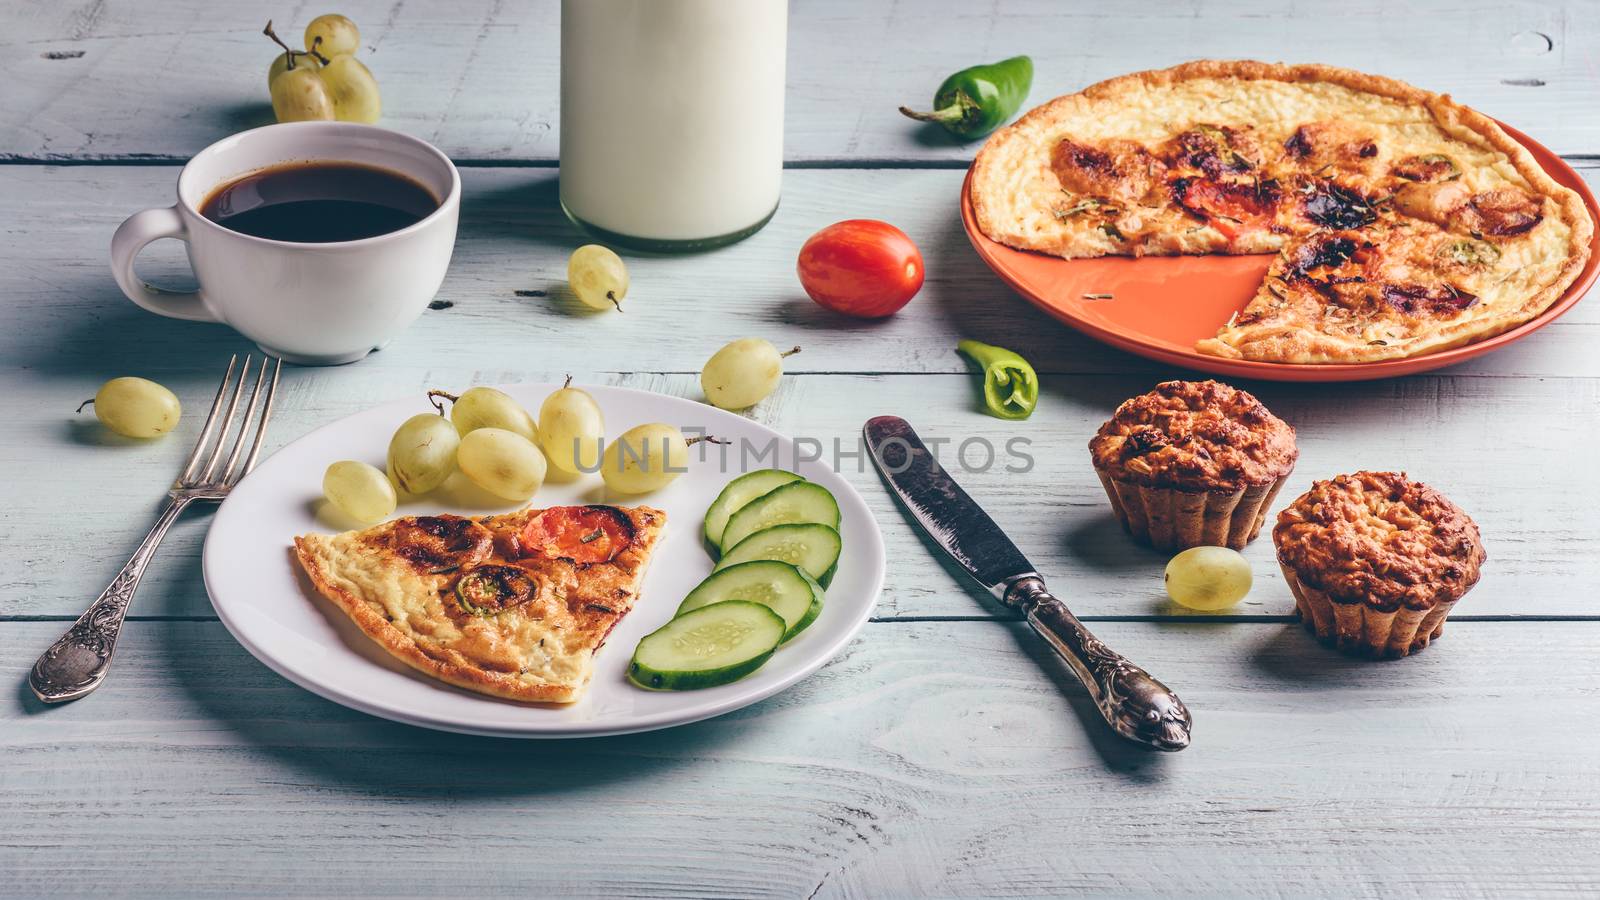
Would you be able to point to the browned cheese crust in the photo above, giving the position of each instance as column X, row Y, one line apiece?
column 398, row 582
column 1194, row 436
column 1459, row 233
column 1379, row 539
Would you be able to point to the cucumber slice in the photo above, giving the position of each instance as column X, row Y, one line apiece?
column 811, row 612
column 738, row 492
column 814, row 549
column 795, row 502
column 708, row 646
column 791, row 593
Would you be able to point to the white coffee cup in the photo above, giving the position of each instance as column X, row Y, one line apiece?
column 313, row 304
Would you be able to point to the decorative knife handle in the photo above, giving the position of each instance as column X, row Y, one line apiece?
column 78, row 661
column 1135, row 705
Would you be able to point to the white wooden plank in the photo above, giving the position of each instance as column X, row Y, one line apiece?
column 481, row 77
column 513, row 237
column 1494, row 445
column 945, row 759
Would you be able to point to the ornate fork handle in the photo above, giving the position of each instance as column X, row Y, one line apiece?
column 78, row 661
column 1135, row 705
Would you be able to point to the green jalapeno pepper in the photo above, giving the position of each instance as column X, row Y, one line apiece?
column 975, row 101
column 1010, row 386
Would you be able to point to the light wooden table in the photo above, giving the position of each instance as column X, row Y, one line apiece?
column 944, row 752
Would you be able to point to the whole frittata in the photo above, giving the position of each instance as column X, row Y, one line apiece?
column 1404, row 223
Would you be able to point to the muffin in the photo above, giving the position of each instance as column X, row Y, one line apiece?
column 1193, row 463
column 1376, row 562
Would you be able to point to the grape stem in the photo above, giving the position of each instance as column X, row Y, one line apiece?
column 566, row 384
column 612, row 296
column 292, row 53
column 88, row 402
column 789, row 353
column 705, row 439
column 433, row 398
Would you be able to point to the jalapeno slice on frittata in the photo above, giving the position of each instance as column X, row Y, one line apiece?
column 488, row 590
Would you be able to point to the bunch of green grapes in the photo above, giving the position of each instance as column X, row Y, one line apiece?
column 498, row 446
column 488, row 436
column 324, row 81
column 491, row 439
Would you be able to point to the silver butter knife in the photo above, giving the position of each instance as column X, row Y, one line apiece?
column 1135, row 705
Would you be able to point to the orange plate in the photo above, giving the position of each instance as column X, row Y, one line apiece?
column 1163, row 304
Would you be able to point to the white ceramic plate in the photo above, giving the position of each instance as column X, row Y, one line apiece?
column 269, row 606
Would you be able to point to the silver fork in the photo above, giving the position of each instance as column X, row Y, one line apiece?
column 77, row 662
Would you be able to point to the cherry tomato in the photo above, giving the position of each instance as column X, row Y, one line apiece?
column 861, row 267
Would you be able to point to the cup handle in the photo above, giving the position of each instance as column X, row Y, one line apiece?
column 132, row 235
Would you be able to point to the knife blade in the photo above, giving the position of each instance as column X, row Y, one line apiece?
column 1135, row 705
column 945, row 511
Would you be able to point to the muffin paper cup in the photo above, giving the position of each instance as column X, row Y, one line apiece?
column 1178, row 520
column 1359, row 629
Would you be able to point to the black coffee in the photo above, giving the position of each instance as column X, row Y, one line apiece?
column 319, row 203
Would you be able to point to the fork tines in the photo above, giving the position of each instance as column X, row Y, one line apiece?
column 202, row 469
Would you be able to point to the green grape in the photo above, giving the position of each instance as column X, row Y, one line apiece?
column 353, row 90
column 422, row 453
column 136, row 407
column 597, row 277
column 502, row 462
column 359, row 491
column 299, row 95
column 743, row 373
column 332, row 34
column 572, row 429
column 485, row 407
column 1208, row 578
column 281, row 65
column 646, row 458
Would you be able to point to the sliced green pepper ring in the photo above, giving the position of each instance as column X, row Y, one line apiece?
column 1010, row 386
column 1469, row 253
column 489, row 590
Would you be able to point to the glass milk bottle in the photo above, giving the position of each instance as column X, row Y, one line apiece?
column 672, row 119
